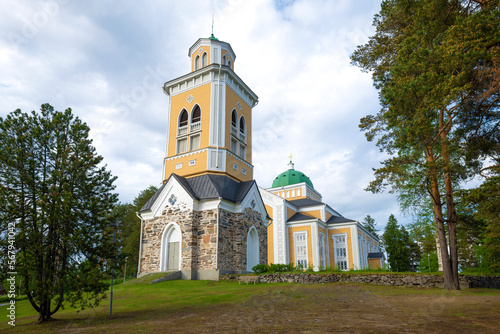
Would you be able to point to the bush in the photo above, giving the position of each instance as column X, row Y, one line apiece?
column 275, row 268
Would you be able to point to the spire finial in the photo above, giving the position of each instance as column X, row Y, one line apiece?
column 212, row 23
column 291, row 165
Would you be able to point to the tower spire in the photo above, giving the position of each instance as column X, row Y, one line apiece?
column 291, row 164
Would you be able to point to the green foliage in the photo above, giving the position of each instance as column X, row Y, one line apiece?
column 436, row 64
column 485, row 200
column 57, row 193
column 427, row 258
column 129, row 231
column 275, row 268
column 369, row 224
column 396, row 244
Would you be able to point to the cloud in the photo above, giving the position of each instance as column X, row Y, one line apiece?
column 108, row 63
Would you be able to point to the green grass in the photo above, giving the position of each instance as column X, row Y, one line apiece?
column 139, row 306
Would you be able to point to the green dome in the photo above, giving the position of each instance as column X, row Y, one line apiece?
column 291, row 176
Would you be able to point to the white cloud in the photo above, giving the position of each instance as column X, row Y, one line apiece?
column 108, row 64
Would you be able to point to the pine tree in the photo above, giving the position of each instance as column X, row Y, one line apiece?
column 58, row 197
column 436, row 64
column 395, row 239
column 369, row 224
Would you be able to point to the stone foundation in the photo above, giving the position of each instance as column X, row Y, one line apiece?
column 199, row 240
column 418, row 280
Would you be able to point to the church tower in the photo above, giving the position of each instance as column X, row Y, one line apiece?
column 208, row 217
column 209, row 116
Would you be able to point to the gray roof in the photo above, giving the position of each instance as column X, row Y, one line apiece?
column 377, row 255
column 305, row 202
column 208, row 186
column 337, row 220
column 299, row 217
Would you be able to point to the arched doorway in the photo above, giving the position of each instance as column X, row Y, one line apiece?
column 252, row 248
column 170, row 248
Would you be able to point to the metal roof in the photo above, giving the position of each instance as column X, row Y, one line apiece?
column 337, row 220
column 208, row 186
column 299, row 217
column 305, row 202
column 377, row 255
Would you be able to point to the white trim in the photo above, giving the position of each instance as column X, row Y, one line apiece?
column 185, row 154
column 315, row 246
column 346, row 248
column 295, row 234
column 163, row 254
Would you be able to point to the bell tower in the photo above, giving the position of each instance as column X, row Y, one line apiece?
column 209, row 127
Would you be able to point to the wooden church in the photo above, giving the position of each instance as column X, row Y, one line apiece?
column 208, row 217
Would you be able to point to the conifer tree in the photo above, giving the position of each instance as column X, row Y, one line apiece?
column 59, row 197
column 436, row 64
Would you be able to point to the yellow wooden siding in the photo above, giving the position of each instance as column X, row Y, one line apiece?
column 291, row 243
column 331, row 233
column 206, row 49
column 314, row 213
column 270, row 243
column 231, row 103
column 186, row 170
column 201, row 97
column 289, row 213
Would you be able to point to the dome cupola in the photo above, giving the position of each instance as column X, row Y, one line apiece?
column 291, row 176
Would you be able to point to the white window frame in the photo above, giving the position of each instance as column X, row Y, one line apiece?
column 296, row 235
column 345, row 258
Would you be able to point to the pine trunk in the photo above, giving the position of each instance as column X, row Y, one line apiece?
column 452, row 218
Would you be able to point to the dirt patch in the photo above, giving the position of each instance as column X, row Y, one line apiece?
column 295, row 308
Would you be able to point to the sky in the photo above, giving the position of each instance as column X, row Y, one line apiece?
column 108, row 60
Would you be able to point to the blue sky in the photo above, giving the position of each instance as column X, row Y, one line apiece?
column 107, row 60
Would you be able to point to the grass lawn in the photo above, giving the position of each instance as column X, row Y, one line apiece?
column 227, row 307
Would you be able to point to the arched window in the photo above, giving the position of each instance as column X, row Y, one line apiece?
column 204, row 59
column 229, row 64
column 183, row 119
column 252, row 248
column 197, row 63
column 196, row 114
column 170, row 248
column 233, row 118
column 242, row 125
column 224, row 60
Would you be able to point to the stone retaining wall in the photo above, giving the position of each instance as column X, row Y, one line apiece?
column 422, row 280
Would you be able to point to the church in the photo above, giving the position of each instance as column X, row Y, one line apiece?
column 311, row 234
column 209, row 217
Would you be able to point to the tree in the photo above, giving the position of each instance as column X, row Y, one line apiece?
column 56, row 193
column 129, row 231
column 396, row 245
column 436, row 65
column 486, row 202
column 369, row 224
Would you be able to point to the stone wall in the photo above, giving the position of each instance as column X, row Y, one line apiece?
column 419, row 280
column 234, row 229
column 199, row 239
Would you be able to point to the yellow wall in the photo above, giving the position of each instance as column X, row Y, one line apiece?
column 178, row 102
column 314, row 213
column 289, row 213
column 206, row 49
column 328, row 215
column 186, row 170
column 269, row 210
column 270, row 243
column 228, row 58
column 347, row 231
column 291, row 243
column 375, row 264
column 237, row 174
column 231, row 103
